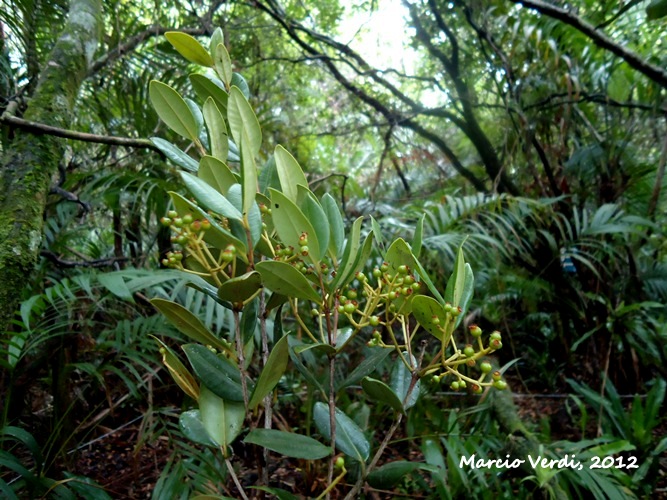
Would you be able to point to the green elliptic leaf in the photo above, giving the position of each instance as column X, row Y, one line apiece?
column 456, row 282
column 217, row 236
column 199, row 120
column 466, row 294
column 178, row 371
column 284, row 279
column 430, row 314
column 239, row 81
column 248, row 173
column 175, row 154
column 366, row 367
column 273, row 370
column 351, row 252
column 380, row 391
column 189, row 48
column 216, row 38
column 223, row 64
column 240, row 288
column 336, row 225
column 289, row 172
column 186, row 322
column 218, row 374
column 173, row 110
column 400, row 379
column 313, row 211
column 193, row 428
column 390, row 474
column 223, row 420
column 350, row 438
column 359, row 262
column 290, row 223
column 206, row 87
column 242, row 119
column 249, row 319
column 288, row 444
column 217, row 130
column 307, row 373
column 399, row 254
column 209, row 197
column 379, row 238
column 216, row 174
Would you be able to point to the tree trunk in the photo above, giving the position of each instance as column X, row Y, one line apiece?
column 31, row 160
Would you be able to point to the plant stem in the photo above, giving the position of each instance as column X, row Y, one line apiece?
column 241, row 356
column 235, row 478
column 268, row 409
column 332, row 421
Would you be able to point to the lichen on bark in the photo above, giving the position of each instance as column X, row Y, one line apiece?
column 31, row 160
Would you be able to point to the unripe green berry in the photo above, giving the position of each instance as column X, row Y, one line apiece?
column 402, row 269
column 409, row 280
column 495, row 335
column 454, row 386
column 227, row 256
column 486, row 367
column 305, row 250
column 392, row 295
column 476, row 389
column 448, row 307
column 384, row 267
column 415, row 286
column 475, row 330
column 377, row 273
column 187, row 219
column 165, row 262
column 178, row 222
column 436, row 379
column 500, row 384
column 351, row 294
column 314, row 312
column 303, row 239
column 374, row 321
column 165, row 221
column 349, row 307
column 182, row 239
column 340, row 462
column 172, row 213
column 496, row 375
column 435, row 320
column 195, row 226
column 361, row 277
column 469, row 351
column 341, row 309
column 205, row 225
column 495, row 344
column 231, row 249
column 462, row 384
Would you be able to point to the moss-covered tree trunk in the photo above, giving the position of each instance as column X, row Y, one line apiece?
column 31, row 160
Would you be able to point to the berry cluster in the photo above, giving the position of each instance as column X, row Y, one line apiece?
column 469, row 356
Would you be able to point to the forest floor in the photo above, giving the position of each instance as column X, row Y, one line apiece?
column 129, row 471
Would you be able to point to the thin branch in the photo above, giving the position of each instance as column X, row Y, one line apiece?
column 41, row 128
column 87, row 263
column 659, row 176
column 655, row 73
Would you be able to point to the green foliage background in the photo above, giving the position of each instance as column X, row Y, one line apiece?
column 510, row 130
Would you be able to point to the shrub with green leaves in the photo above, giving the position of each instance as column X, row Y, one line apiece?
column 262, row 244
